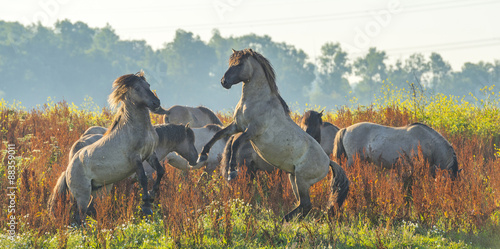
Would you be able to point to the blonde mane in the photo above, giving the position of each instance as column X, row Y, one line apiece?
column 119, row 94
column 121, row 87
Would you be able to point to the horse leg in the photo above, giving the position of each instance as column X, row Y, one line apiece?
column 228, row 131
column 143, row 180
column 83, row 196
column 160, row 171
column 242, row 139
column 304, row 200
column 104, row 190
column 291, row 177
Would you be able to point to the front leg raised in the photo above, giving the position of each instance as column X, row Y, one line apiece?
column 143, row 180
column 160, row 171
column 228, row 131
column 245, row 137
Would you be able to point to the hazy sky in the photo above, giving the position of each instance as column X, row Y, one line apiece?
column 460, row 30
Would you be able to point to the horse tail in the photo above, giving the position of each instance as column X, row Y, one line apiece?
column 338, row 145
column 59, row 190
column 226, row 156
column 339, row 183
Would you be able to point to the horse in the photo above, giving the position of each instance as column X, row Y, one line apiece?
column 120, row 152
column 263, row 117
column 94, row 130
column 246, row 156
column 196, row 116
column 384, row 146
column 175, row 140
column 202, row 136
column 323, row 132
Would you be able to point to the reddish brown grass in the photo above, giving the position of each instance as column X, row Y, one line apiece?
column 44, row 136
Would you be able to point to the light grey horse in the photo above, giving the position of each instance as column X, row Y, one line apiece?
column 384, row 146
column 94, row 130
column 177, row 141
column 323, row 132
column 129, row 141
column 311, row 122
column 195, row 116
column 263, row 118
column 202, row 135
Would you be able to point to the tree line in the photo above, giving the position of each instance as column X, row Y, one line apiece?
column 72, row 61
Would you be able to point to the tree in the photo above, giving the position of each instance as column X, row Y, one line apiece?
column 372, row 71
column 189, row 61
column 333, row 68
column 417, row 66
column 440, row 69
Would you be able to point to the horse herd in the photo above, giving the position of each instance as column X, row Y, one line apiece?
column 262, row 136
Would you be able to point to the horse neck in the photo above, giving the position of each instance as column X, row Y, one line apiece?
column 258, row 87
column 136, row 116
column 168, row 142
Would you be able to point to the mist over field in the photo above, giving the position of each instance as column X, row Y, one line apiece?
column 396, row 63
column 73, row 61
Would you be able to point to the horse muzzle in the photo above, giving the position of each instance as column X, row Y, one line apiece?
column 154, row 105
column 225, row 84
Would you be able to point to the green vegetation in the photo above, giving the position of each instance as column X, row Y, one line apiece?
column 380, row 211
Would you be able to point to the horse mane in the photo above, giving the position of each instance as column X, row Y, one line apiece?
column 121, row 86
column 116, row 121
column 238, row 56
column 120, row 89
column 213, row 118
column 173, row 133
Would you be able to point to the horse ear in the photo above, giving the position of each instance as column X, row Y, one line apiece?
column 321, row 113
column 234, row 51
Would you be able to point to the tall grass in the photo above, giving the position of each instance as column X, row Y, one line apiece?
column 385, row 208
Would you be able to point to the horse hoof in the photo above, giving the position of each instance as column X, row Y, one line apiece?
column 287, row 218
column 147, row 211
column 232, row 175
column 202, row 158
column 151, row 196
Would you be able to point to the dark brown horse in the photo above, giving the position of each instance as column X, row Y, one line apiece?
column 323, row 132
column 245, row 157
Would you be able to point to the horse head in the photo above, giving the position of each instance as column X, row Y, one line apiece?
column 186, row 148
column 133, row 88
column 141, row 94
column 239, row 69
column 311, row 123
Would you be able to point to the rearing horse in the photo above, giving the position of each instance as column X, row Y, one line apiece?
column 263, row 117
column 129, row 141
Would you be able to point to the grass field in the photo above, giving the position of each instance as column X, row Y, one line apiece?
column 396, row 208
